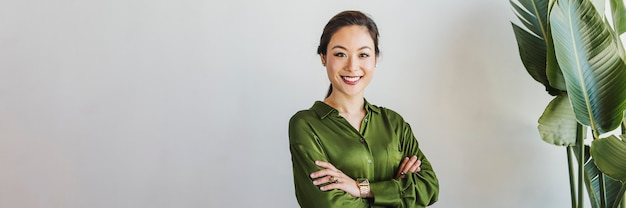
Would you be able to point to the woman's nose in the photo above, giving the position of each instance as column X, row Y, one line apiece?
column 353, row 64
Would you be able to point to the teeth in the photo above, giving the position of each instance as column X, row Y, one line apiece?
column 351, row 79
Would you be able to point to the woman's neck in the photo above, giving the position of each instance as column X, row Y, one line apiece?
column 350, row 108
column 346, row 105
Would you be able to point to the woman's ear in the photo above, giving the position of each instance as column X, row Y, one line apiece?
column 323, row 59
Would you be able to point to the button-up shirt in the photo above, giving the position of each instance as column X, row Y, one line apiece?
column 375, row 152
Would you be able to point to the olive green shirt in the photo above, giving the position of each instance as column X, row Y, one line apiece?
column 375, row 153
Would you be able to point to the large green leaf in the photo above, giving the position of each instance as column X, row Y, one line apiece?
column 613, row 188
column 557, row 124
column 535, row 44
column 553, row 71
column 619, row 16
column 610, row 156
column 594, row 72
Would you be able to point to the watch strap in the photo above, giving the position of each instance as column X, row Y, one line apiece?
column 364, row 187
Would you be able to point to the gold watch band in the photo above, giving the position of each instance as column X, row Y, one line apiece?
column 364, row 186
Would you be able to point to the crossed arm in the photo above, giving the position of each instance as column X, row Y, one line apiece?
column 331, row 178
column 418, row 187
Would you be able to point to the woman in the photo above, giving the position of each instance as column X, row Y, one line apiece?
column 347, row 152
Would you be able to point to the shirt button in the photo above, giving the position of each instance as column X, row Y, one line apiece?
column 362, row 139
column 369, row 161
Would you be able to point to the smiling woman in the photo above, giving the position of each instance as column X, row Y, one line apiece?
column 347, row 152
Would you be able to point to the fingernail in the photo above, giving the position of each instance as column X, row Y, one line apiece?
column 317, row 162
column 312, row 176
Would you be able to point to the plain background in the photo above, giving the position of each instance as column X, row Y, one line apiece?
column 138, row 103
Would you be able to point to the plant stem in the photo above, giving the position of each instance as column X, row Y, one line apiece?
column 572, row 183
column 601, row 182
column 621, row 204
column 581, row 162
column 602, row 190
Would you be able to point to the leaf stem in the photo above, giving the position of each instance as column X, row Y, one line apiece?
column 601, row 182
column 572, row 182
column 602, row 189
column 581, row 162
column 620, row 202
column 624, row 125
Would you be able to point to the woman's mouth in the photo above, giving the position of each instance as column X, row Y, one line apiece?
column 351, row 80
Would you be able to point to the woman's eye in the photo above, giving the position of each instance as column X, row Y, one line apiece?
column 340, row 54
column 364, row 55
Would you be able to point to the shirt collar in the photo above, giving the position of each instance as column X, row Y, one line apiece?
column 323, row 110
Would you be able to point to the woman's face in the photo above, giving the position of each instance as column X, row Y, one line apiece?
column 350, row 60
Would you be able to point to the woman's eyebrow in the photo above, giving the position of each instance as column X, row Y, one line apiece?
column 344, row 48
column 340, row 47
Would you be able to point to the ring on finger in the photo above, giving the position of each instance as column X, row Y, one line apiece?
column 403, row 173
column 333, row 179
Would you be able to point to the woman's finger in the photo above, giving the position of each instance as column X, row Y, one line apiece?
column 326, row 179
column 416, row 166
column 419, row 166
column 407, row 168
column 326, row 165
column 336, row 183
column 401, row 168
column 324, row 172
column 331, row 186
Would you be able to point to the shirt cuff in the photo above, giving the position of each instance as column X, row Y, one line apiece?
column 386, row 193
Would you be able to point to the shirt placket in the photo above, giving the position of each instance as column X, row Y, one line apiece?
column 367, row 158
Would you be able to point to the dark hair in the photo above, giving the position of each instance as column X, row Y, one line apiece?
column 343, row 19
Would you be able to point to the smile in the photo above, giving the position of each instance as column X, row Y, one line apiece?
column 351, row 79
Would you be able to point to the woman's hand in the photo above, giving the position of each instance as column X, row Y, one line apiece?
column 334, row 179
column 408, row 165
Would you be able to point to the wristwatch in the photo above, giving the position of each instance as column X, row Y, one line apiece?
column 364, row 186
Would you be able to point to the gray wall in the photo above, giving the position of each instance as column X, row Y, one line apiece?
column 137, row 103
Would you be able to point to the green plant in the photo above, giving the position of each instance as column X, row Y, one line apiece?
column 574, row 50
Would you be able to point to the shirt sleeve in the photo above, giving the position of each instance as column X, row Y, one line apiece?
column 419, row 189
column 305, row 150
